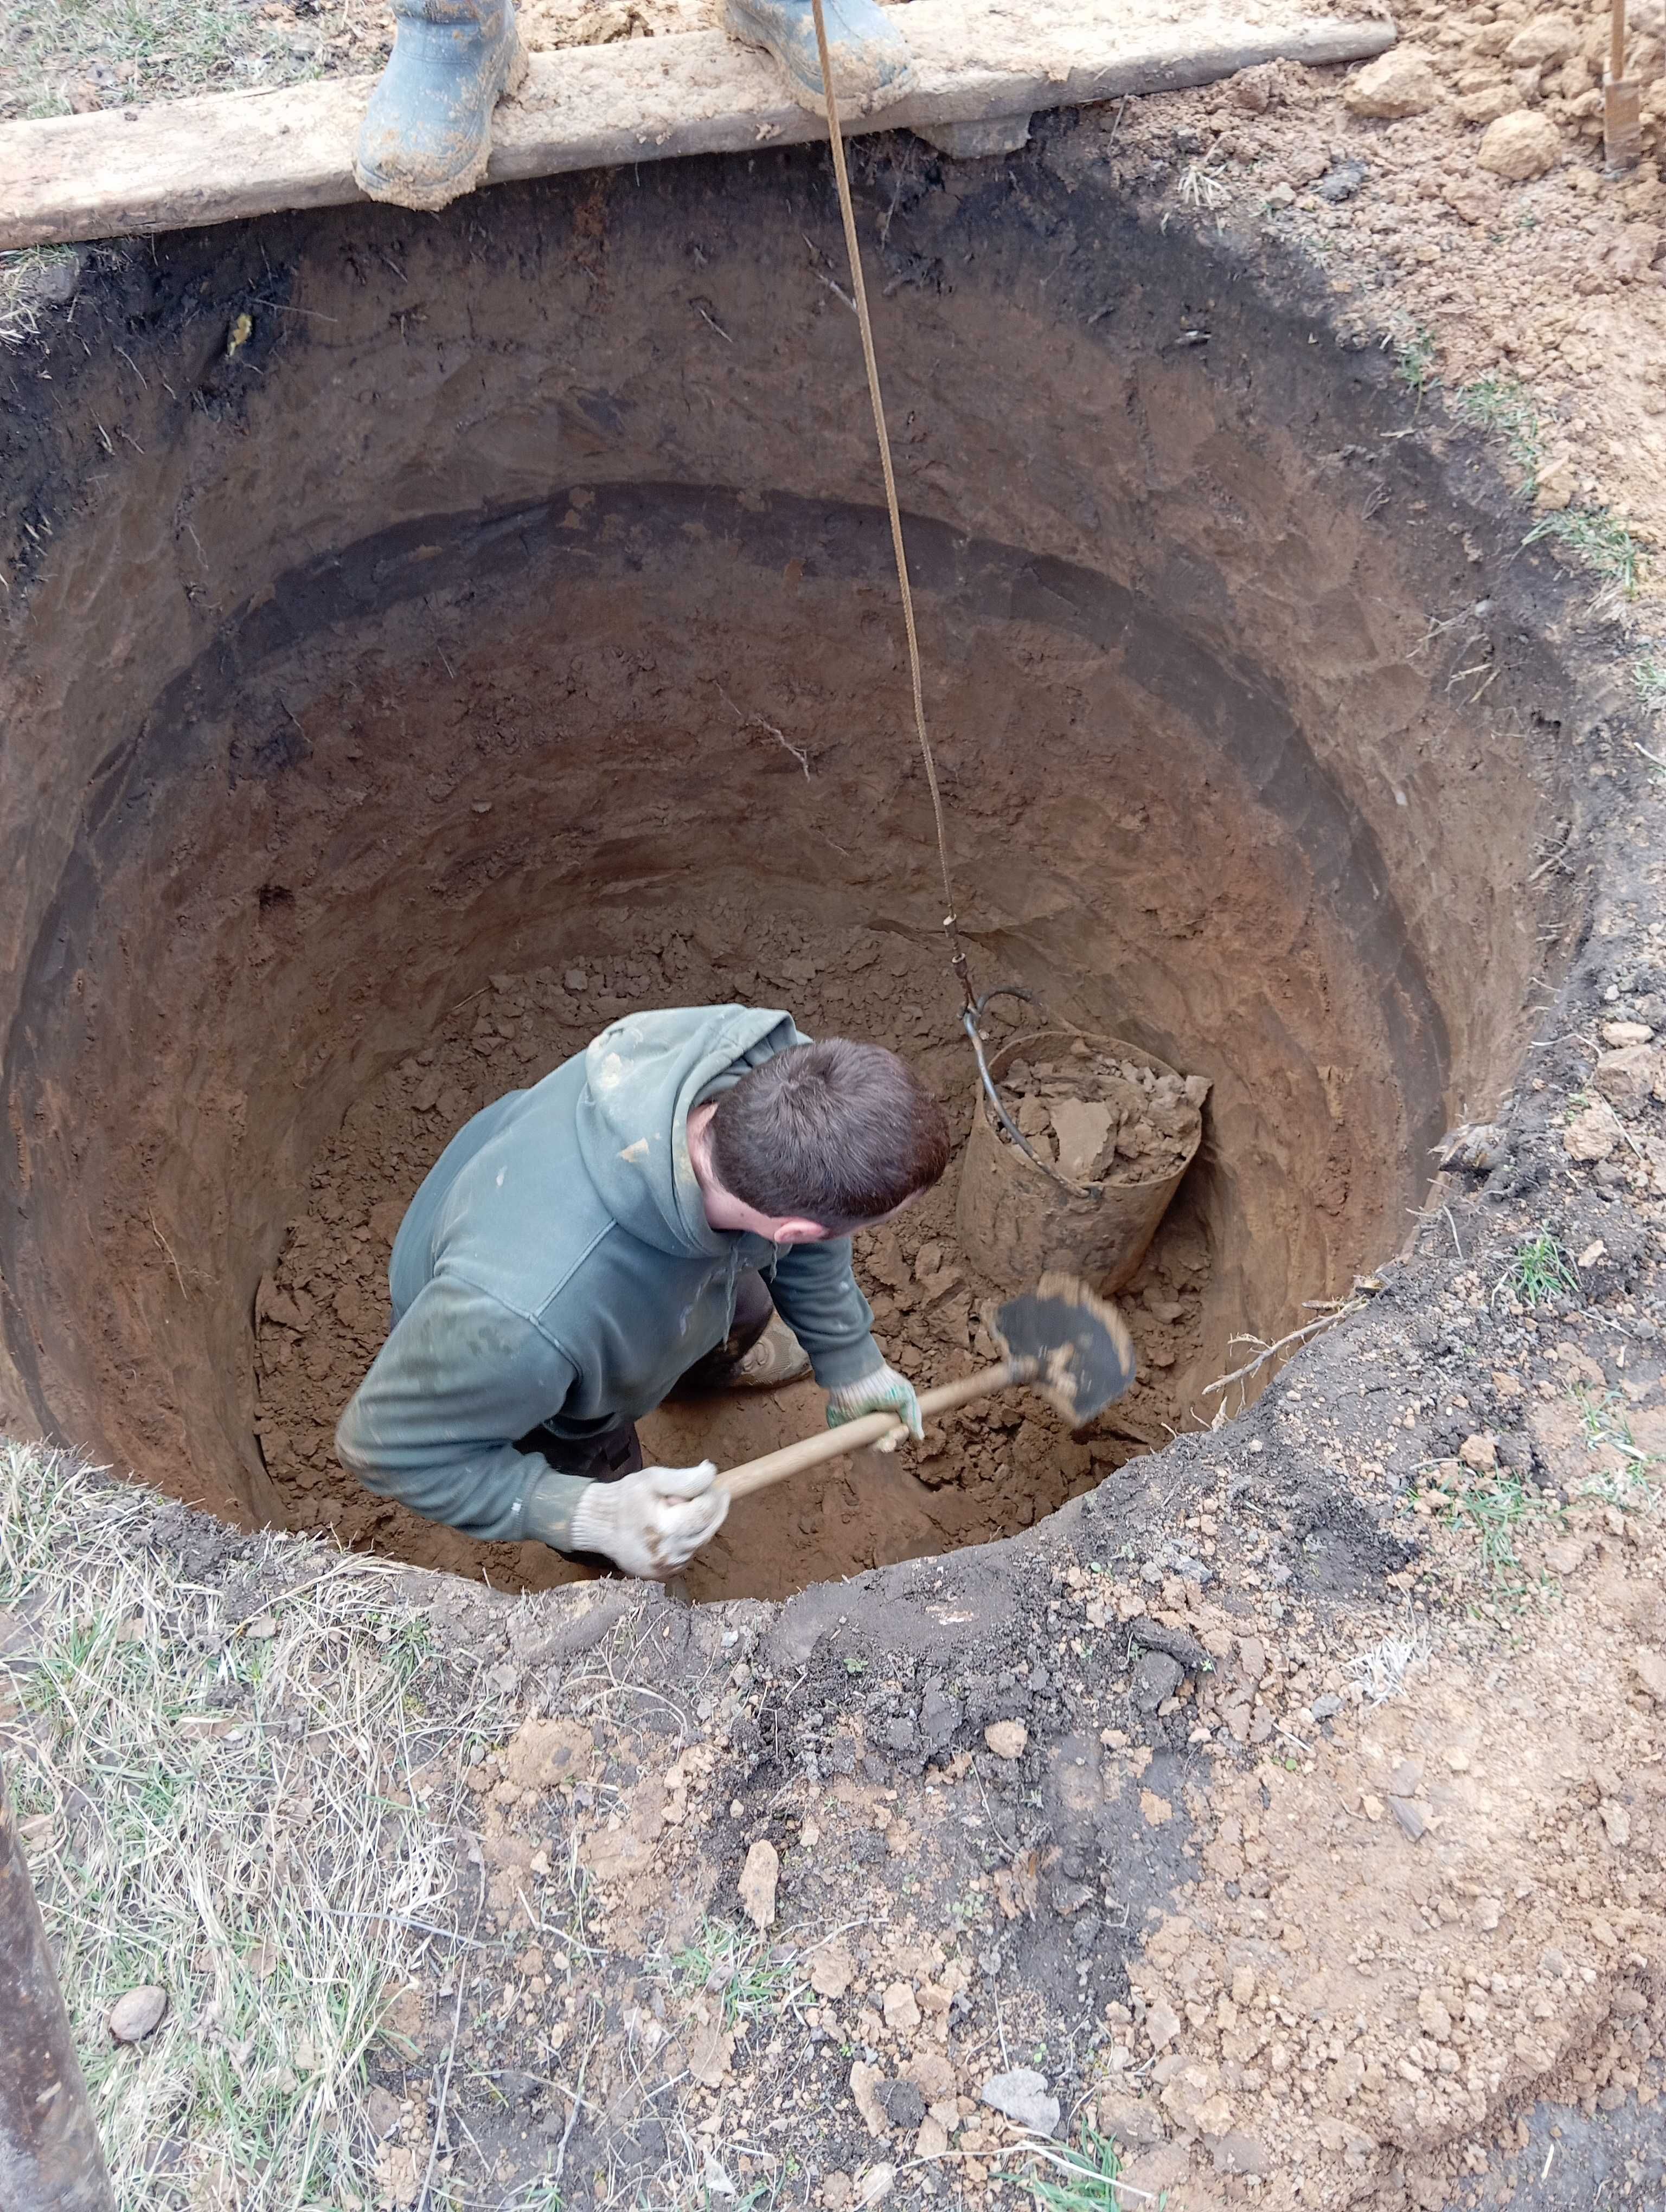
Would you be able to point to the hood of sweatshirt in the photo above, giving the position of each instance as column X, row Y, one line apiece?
column 643, row 1077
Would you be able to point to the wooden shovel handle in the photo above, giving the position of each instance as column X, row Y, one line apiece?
column 869, row 1429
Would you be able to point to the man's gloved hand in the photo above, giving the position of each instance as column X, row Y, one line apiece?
column 651, row 1523
column 885, row 1391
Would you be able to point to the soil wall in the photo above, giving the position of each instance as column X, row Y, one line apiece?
column 510, row 588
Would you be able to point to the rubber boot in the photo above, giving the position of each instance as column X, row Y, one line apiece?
column 428, row 131
column 870, row 56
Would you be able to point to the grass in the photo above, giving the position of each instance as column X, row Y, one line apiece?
column 1649, row 678
column 1084, row 2179
column 227, row 1810
column 1505, row 410
column 1413, row 353
column 1384, row 1669
column 57, row 55
column 1494, row 1508
column 753, row 1978
column 1601, row 541
column 1626, row 1479
column 1541, row 1271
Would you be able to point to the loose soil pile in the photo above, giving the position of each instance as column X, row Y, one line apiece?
column 322, row 1313
column 1101, row 1120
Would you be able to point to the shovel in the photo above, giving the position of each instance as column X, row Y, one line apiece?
column 1059, row 1339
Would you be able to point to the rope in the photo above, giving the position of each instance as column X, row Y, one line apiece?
column 858, row 290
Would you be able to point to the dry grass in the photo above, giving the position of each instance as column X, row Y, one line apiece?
column 258, row 1816
column 58, row 55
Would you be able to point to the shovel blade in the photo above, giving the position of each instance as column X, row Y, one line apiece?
column 1080, row 1343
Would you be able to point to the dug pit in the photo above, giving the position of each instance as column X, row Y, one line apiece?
column 429, row 639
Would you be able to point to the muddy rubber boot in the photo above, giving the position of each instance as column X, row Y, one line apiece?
column 870, row 56
column 428, row 131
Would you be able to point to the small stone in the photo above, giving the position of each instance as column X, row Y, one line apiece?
column 1489, row 1910
column 1616, row 1823
column 574, row 980
column 758, row 1878
column 901, row 2011
column 1457, row 1757
column 1650, row 1671
column 1327, row 1707
column 137, row 2013
column 876, row 2185
column 1156, row 1811
column 1480, row 1452
column 1399, row 83
column 1006, row 1739
column 262, row 1628
column 1243, row 1986
column 837, row 2188
column 1521, row 146
column 1022, row 2095
column 1617, row 1035
column 1409, row 1815
column 1433, row 2017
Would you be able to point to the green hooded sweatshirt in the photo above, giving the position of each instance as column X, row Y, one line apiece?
column 556, row 1269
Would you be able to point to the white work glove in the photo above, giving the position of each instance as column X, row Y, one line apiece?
column 884, row 1391
column 651, row 1523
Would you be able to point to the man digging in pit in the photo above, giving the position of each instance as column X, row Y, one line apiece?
column 671, row 1210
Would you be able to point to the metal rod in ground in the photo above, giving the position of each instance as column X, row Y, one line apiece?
column 50, row 2160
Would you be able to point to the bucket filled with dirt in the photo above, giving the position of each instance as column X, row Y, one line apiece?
column 1113, row 1130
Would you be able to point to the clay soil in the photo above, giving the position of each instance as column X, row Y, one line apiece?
column 986, row 1473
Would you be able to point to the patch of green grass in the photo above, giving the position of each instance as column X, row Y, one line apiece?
column 1505, row 410
column 1494, row 1508
column 1601, row 541
column 1649, row 681
column 1541, row 1270
column 1414, row 358
column 751, row 1978
column 1086, row 2178
column 1625, row 1478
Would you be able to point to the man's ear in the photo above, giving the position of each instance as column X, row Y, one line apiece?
column 799, row 1232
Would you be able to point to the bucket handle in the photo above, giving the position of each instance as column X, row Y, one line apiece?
column 971, row 1018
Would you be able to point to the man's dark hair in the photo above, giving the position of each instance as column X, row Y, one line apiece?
column 834, row 1131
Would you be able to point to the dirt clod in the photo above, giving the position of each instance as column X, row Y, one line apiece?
column 1520, row 145
column 1399, row 83
column 1103, row 1120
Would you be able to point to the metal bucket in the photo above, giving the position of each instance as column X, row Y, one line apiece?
column 1015, row 1221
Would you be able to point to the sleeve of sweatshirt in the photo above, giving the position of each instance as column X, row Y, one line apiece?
column 818, row 1297
column 434, row 1422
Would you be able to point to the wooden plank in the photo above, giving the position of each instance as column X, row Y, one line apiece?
column 224, row 155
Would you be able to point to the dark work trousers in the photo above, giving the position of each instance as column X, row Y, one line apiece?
column 615, row 1451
